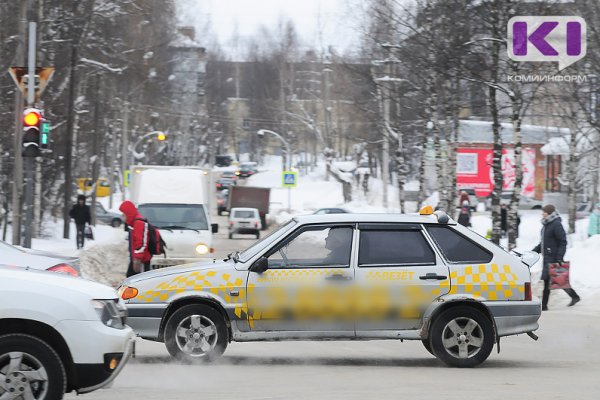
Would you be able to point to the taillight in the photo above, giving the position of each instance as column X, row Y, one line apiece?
column 212, row 249
column 64, row 269
column 231, row 223
column 528, row 295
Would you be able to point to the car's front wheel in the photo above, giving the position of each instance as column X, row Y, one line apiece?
column 196, row 333
column 462, row 337
column 115, row 223
column 30, row 369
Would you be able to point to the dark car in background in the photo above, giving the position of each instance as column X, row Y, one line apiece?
column 247, row 170
column 225, row 183
column 222, row 199
column 108, row 217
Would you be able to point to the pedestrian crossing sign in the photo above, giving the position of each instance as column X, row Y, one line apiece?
column 290, row 179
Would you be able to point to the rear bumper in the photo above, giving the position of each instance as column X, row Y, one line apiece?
column 245, row 230
column 512, row 317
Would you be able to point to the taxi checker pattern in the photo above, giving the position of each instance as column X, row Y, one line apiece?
column 487, row 281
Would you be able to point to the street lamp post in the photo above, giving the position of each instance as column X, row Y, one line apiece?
column 161, row 136
column 288, row 153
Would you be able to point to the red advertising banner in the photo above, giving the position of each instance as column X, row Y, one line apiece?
column 474, row 171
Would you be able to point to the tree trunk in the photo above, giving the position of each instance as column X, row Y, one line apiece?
column 513, row 213
column 572, row 177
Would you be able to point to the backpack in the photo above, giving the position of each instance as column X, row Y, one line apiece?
column 156, row 244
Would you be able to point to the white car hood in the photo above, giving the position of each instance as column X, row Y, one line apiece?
column 28, row 278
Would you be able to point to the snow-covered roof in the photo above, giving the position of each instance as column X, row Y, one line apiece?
column 481, row 132
column 559, row 146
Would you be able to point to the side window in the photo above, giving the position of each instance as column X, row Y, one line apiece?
column 457, row 248
column 314, row 247
column 393, row 248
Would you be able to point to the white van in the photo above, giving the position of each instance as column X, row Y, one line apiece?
column 176, row 201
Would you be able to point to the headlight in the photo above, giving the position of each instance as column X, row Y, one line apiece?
column 201, row 248
column 111, row 312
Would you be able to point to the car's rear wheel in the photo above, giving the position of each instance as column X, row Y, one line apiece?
column 196, row 333
column 30, row 369
column 230, row 235
column 115, row 223
column 462, row 337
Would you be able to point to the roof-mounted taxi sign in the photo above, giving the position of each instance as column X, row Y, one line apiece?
column 441, row 216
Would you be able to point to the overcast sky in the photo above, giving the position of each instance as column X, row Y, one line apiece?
column 335, row 18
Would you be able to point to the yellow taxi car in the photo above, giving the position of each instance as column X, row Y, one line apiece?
column 344, row 276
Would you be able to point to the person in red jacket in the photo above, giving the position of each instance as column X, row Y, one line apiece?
column 135, row 223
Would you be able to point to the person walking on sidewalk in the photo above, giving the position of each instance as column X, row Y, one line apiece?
column 552, row 247
column 80, row 212
column 137, row 226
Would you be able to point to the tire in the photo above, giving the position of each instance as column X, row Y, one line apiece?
column 427, row 346
column 464, row 351
column 230, row 235
column 220, row 212
column 196, row 319
column 34, row 354
column 115, row 223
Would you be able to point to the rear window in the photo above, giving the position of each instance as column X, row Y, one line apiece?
column 389, row 247
column 244, row 214
column 457, row 248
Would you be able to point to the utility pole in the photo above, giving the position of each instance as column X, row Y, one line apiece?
column 18, row 167
column 30, row 160
column 124, row 145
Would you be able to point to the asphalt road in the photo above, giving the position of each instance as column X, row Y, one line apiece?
column 563, row 364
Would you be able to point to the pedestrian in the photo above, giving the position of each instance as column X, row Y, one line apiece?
column 464, row 216
column 80, row 212
column 137, row 226
column 594, row 223
column 504, row 220
column 552, row 247
column 464, row 196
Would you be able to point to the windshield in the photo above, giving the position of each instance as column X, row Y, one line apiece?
column 244, row 214
column 182, row 216
column 258, row 246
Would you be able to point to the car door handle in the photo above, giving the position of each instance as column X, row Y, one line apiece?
column 338, row 277
column 432, row 275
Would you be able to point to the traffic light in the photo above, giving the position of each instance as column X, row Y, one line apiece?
column 45, row 134
column 32, row 118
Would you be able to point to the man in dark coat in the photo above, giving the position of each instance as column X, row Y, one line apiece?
column 552, row 247
column 80, row 212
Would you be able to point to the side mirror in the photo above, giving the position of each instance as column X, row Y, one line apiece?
column 214, row 228
column 260, row 265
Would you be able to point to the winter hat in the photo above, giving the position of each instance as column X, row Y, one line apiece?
column 548, row 208
column 81, row 197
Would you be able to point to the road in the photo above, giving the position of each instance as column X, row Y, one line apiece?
column 564, row 363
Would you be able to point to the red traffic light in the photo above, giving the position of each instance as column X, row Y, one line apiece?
column 31, row 117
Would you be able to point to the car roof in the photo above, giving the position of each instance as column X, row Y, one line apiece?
column 375, row 217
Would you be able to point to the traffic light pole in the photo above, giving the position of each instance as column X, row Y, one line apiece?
column 28, row 160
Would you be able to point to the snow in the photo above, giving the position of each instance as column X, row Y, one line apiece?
column 176, row 185
column 560, row 145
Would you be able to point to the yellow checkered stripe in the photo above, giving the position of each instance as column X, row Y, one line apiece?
column 218, row 284
column 489, row 281
column 306, row 271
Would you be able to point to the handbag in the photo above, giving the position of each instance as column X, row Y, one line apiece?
column 88, row 233
column 559, row 275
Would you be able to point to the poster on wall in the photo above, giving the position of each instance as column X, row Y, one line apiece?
column 474, row 171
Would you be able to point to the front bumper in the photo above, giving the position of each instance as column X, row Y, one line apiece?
column 91, row 377
column 515, row 317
